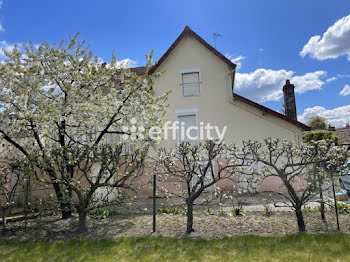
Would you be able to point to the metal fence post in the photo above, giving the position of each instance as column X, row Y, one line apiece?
column 154, row 203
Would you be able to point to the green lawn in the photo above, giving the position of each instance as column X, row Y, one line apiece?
column 305, row 247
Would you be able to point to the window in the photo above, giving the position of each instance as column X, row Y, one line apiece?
column 188, row 130
column 190, row 83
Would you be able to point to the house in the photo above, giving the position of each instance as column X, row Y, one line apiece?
column 201, row 81
column 343, row 135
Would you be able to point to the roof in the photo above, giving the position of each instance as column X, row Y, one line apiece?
column 188, row 31
column 140, row 70
column 271, row 112
column 343, row 135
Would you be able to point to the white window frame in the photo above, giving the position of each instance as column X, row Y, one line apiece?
column 185, row 112
column 188, row 71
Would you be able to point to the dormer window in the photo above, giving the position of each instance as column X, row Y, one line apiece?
column 190, row 83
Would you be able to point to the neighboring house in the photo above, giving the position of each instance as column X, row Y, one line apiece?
column 201, row 81
column 343, row 135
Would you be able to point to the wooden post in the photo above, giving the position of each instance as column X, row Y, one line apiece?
column 154, row 203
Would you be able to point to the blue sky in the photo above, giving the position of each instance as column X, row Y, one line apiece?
column 266, row 37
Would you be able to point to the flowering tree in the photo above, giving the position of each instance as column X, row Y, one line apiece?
column 335, row 166
column 293, row 165
column 195, row 168
column 57, row 98
column 322, row 177
column 100, row 174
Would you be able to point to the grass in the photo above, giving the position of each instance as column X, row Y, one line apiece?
column 303, row 247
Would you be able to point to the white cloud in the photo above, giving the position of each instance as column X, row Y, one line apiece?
column 309, row 81
column 2, row 29
column 343, row 75
column 345, row 91
column 338, row 116
column 237, row 60
column 266, row 84
column 333, row 43
column 331, row 79
column 126, row 63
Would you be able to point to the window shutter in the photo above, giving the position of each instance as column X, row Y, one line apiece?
column 190, row 84
column 189, row 120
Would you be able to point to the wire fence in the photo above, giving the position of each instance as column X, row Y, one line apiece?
column 28, row 195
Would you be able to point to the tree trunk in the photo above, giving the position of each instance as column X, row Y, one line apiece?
column 322, row 208
column 66, row 208
column 189, row 217
column 82, row 220
column 300, row 219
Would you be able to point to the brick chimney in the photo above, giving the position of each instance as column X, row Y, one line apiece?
column 290, row 109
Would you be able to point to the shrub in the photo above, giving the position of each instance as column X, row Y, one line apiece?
column 173, row 209
column 103, row 212
column 308, row 209
column 320, row 135
column 209, row 211
column 238, row 211
column 343, row 208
